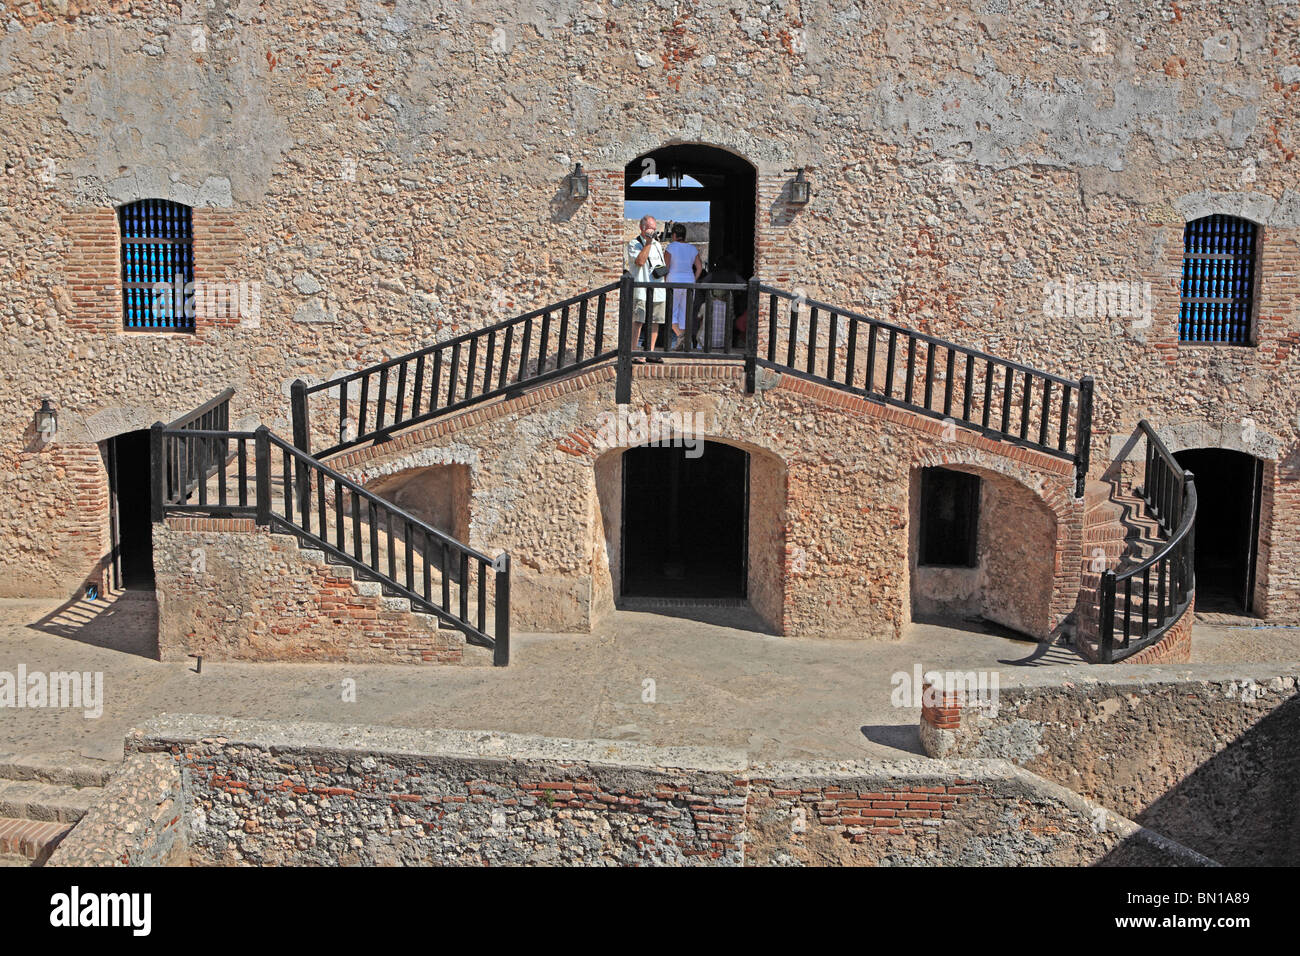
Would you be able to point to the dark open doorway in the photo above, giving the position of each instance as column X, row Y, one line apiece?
column 685, row 522
column 1228, row 485
column 691, row 174
column 131, row 531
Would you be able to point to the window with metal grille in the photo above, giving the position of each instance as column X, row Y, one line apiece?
column 1218, row 280
column 157, row 265
column 950, row 507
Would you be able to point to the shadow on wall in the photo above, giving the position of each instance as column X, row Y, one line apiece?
column 1239, row 807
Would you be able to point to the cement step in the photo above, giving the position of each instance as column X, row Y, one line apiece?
column 46, row 802
column 29, row 842
column 55, row 769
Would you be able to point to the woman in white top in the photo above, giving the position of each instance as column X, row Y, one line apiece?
column 684, row 265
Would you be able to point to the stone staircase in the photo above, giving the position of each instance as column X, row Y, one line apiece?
column 1118, row 533
column 41, row 799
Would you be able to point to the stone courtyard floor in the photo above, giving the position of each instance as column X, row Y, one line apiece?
column 714, row 682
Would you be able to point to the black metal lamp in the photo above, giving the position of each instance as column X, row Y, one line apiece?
column 577, row 182
column 800, row 188
column 47, row 419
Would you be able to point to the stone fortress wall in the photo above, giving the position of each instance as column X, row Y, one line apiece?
column 392, row 173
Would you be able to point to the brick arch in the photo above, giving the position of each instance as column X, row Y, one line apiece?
column 1190, row 435
column 1054, row 491
column 1017, row 590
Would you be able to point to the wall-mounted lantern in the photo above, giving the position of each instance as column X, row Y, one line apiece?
column 47, row 419
column 800, row 188
column 577, row 182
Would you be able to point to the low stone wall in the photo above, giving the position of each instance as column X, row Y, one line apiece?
column 229, row 590
column 267, row 793
column 1206, row 755
column 138, row 822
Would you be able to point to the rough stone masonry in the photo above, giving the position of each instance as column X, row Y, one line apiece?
column 390, row 173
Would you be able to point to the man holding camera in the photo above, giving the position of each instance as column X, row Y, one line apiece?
column 644, row 258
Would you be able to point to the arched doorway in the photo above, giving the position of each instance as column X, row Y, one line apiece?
column 1228, row 487
column 685, row 521
column 711, row 190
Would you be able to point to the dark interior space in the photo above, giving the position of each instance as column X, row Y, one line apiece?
column 685, row 522
column 728, row 183
column 1227, row 521
column 132, row 531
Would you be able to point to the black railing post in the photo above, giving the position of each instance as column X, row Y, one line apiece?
column 501, row 639
column 262, row 473
column 751, row 334
column 1083, row 436
column 623, row 384
column 1106, row 634
column 302, row 433
column 158, row 468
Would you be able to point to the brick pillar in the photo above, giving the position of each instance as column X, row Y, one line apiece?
column 93, row 270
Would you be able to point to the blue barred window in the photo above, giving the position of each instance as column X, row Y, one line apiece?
column 1218, row 280
column 157, row 266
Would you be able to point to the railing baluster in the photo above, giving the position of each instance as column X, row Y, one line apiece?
column 338, row 516
column 428, row 571
column 831, row 334
column 947, row 386
column 401, row 394
column 889, row 364
column 1024, row 406
column 505, row 356
column 970, row 387
column 392, row 544
column 374, row 535
column 418, row 392
column 446, row 577
column 793, row 332
column 564, row 337
column 381, row 408
column 851, row 358
column 911, row 369
column 1047, row 412
column 812, row 341
column 929, row 375
column 471, row 368
column 321, row 505
column 464, row 585
column 489, row 356
column 772, row 314
column 1008, row 391
column 543, row 342
column 988, row 393
column 482, row 595
column 581, row 345
column 364, row 406
column 435, row 382
column 452, row 374
column 523, row 352
column 598, row 340
column 870, row 385
column 1066, row 392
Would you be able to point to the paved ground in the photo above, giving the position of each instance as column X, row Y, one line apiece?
column 714, row 683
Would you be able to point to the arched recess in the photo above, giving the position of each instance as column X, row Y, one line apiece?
column 759, row 488
column 726, row 181
column 438, row 495
column 990, row 542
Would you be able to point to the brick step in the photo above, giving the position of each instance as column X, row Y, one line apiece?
column 46, row 802
column 55, row 769
column 29, row 842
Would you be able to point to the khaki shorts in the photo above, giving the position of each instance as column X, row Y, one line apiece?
column 657, row 311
